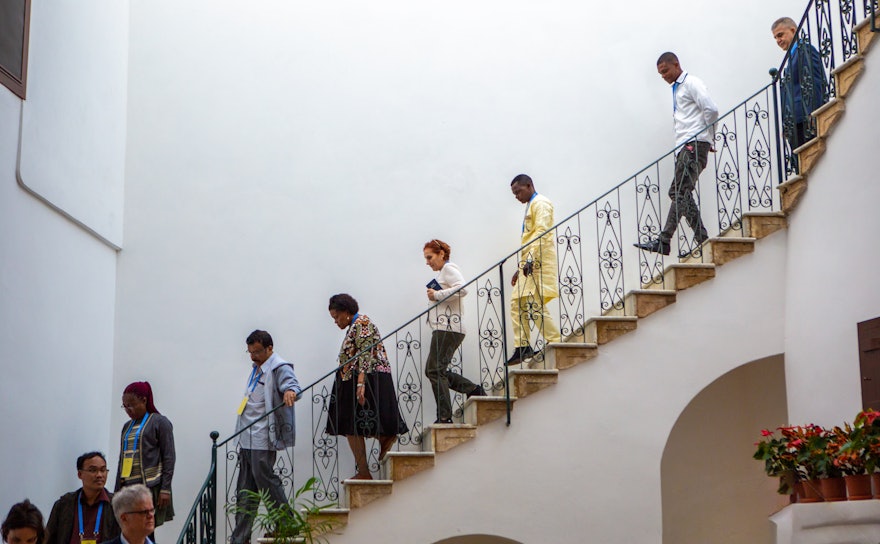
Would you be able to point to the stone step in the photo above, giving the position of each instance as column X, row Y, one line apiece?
column 602, row 329
column 866, row 36
column 644, row 302
column 828, row 115
column 762, row 224
column 847, row 73
column 680, row 276
column 809, row 154
column 791, row 191
column 362, row 492
column 720, row 251
column 563, row 355
column 443, row 437
column 400, row 465
column 328, row 520
column 483, row 410
column 528, row 381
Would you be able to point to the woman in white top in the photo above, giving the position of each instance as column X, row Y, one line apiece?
column 448, row 331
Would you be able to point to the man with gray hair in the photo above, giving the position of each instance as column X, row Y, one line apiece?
column 803, row 83
column 133, row 507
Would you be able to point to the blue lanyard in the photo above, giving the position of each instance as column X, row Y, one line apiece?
column 529, row 205
column 675, row 87
column 137, row 435
column 253, row 380
column 354, row 318
column 97, row 520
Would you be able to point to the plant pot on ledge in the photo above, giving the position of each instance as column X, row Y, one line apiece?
column 858, row 487
column 811, row 491
column 833, row 489
column 875, row 484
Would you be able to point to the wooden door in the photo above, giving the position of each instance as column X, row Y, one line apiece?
column 869, row 362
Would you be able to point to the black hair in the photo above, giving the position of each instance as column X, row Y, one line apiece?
column 81, row 460
column 344, row 302
column 261, row 337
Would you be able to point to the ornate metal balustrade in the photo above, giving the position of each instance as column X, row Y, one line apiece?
column 597, row 265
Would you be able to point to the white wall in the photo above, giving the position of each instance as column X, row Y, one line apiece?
column 288, row 151
column 57, row 269
column 73, row 129
column 832, row 265
column 57, row 295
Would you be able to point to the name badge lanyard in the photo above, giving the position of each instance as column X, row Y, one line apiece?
column 128, row 459
column 97, row 520
column 252, row 384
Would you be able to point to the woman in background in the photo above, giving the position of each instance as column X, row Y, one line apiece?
column 448, row 331
column 363, row 403
column 146, row 451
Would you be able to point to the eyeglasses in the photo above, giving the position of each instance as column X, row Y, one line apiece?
column 94, row 471
column 249, row 352
column 147, row 512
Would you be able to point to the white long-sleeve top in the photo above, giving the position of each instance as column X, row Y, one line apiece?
column 447, row 316
column 693, row 110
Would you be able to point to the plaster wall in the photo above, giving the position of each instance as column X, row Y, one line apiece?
column 60, row 215
column 73, row 122
column 831, row 278
column 286, row 152
column 57, row 295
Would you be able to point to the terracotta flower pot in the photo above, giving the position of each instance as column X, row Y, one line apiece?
column 833, row 489
column 858, row 487
column 875, row 484
column 811, row 492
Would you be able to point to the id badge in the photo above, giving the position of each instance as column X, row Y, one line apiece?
column 87, row 540
column 242, row 405
column 127, row 462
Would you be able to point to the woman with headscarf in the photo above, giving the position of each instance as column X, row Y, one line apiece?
column 363, row 403
column 146, row 452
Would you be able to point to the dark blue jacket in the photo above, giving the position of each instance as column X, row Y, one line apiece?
column 803, row 84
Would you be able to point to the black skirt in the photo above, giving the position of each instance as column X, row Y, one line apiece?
column 379, row 416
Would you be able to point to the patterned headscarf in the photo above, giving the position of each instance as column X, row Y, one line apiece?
column 144, row 391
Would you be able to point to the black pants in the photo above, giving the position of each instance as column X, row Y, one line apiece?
column 689, row 162
column 443, row 346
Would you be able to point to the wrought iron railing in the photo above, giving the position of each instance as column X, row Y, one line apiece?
column 597, row 264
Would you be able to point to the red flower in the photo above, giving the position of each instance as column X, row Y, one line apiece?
column 765, row 432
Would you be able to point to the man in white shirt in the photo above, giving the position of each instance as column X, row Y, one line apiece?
column 694, row 114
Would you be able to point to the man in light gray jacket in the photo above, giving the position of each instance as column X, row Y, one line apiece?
column 266, row 423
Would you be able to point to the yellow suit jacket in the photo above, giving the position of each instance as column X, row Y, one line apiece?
column 543, row 283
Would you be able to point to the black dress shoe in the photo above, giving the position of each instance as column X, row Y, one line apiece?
column 656, row 245
column 520, row 353
column 477, row 392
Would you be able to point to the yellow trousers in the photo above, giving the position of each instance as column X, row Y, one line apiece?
column 528, row 314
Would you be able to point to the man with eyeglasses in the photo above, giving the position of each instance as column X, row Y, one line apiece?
column 263, row 432
column 135, row 513
column 84, row 516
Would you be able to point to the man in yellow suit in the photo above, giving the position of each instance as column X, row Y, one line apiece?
column 535, row 281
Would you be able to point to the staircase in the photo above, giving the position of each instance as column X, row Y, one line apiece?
column 661, row 282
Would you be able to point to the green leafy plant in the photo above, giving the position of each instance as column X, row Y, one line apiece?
column 780, row 460
column 859, row 453
column 297, row 519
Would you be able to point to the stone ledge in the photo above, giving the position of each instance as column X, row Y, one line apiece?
column 400, row 465
column 564, row 355
column 363, row 492
column 791, row 192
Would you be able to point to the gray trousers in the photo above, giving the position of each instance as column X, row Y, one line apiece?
column 255, row 472
column 689, row 162
column 443, row 346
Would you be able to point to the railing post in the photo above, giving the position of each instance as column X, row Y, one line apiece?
column 504, row 339
column 780, row 166
column 212, row 491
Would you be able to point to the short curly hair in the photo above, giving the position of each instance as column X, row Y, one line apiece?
column 343, row 302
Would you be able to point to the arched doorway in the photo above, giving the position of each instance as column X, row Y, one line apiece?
column 710, row 484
